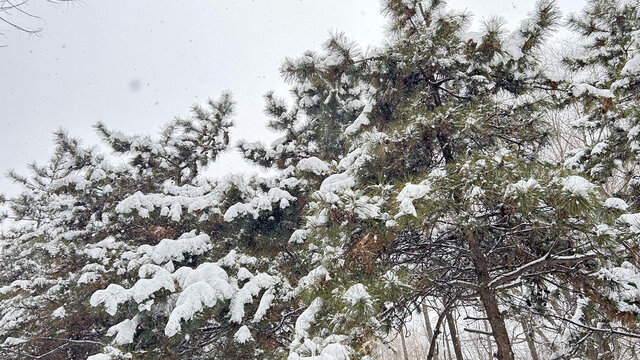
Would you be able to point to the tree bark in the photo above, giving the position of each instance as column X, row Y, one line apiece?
column 436, row 331
column 496, row 320
column 404, row 345
column 528, row 334
column 489, row 343
column 454, row 336
column 427, row 322
column 489, row 300
column 446, row 342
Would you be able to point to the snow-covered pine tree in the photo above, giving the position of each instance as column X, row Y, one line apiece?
column 86, row 221
column 605, row 79
column 327, row 92
column 174, row 259
column 413, row 171
column 454, row 124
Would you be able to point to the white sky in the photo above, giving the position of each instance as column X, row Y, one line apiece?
column 134, row 64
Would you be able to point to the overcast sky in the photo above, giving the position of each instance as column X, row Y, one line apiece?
column 135, row 64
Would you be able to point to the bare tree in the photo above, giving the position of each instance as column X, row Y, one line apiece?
column 18, row 14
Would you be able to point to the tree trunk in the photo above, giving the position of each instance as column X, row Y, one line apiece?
column 436, row 332
column 427, row 323
column 528, row 334
column 496, row 320
column 454, row 336
column 489, row 343
column 446, row 342
column 489, row 300
column 404, row 345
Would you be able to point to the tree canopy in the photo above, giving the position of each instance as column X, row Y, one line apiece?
column 417, row 173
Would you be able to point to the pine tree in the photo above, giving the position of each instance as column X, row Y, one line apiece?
column 463, row 122
column 605, row 78
column 609, row 54
column 415, row 171
column 450, row 115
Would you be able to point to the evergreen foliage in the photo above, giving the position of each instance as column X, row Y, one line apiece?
column 416, row 171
